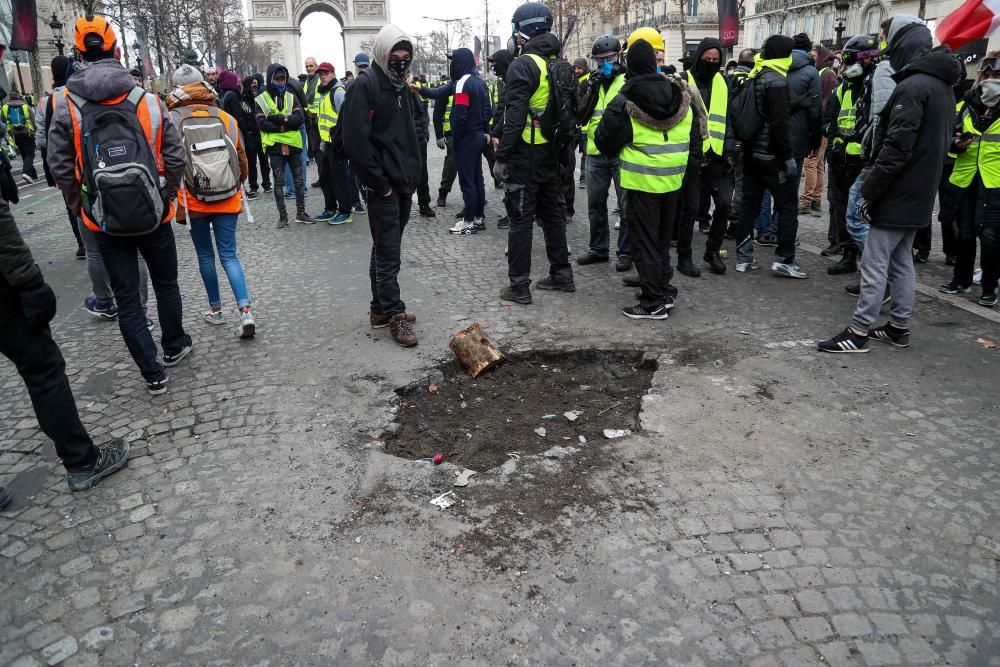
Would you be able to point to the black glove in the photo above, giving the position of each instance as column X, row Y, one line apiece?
column 277, row 119
column 38, row 305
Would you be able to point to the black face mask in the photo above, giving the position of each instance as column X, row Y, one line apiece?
column 399, row 67
column 706, row 70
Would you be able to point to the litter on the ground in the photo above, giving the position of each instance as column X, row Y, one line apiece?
column 445, row 500
column 540, row 431
column 514, row 455
column 427, row 461
column 463, row 477
column 987, row 343
column 583, row 440
column 559, row 452
column 548, row 416
column 438, row 458
column 432, row 388
column 572, row 415
column 612, row 433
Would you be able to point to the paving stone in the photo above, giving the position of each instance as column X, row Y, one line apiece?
column 745, row 562
column 76, row 566
column 851, row 625
column 97, row 637
column 55, row 653
column 141, row 513
column 773, row 634
column 879, row 653
column 127, row 604
column 175, row 620
column 888, row 624
column 811, row 629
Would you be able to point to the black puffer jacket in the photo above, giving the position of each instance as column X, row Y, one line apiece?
column 522, row 80
column 915, row 128
column 806, row 105
column 773, row 140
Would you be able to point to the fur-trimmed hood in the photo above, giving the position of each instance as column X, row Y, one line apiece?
column 659, row 102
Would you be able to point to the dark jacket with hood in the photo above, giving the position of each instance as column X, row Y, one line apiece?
column 442, row 97
column 704, row 76
column 914, row 131
column 523, row 78
column 248, row 103
column 470, row 110
column 827, row 77
column 376, row 124
column 229, row 95
column 501, row 63
column 421, row 119
column 17, row 268
column 805, row 109
column 773, row 143
column 293, row 118
column 860, row 89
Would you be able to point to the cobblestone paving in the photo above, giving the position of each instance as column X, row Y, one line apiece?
column 778, row 508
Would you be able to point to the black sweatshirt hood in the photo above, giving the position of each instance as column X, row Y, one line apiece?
column 703, row 73
column 462, row 63
column 940, row 63
column 907, row 39
column 501, row 61
column 654, row 94
column 273, row 69
column 545, row 45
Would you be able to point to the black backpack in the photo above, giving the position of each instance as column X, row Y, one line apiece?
column 558, row 122
column 121, row 182
column 744, row 114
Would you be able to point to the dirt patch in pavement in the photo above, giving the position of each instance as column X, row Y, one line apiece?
column 479, row 423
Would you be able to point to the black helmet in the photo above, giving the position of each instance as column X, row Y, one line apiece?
column 858, row 48
column 530, row 19
column 605, row 45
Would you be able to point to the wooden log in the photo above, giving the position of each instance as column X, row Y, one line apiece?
column 475, row 350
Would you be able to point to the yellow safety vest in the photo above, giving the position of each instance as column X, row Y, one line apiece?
column 312, row 96
column 29, row 122
column 446, row 124
column 532, row 133
column 717, row 110
column 655, row 160
column 603, row 98
column 289, row 137
column 326, row 113
column 847, row 120
column 958, row 112
column 982, row 155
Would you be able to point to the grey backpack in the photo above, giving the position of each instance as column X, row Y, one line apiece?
column 212, row 173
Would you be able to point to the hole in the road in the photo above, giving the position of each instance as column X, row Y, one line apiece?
column 479, row 423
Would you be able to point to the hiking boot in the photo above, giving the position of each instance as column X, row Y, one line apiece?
column 715, row 263
column 590, row 257
column 549, row 283
column 847, row 264
column 105, row 311
column 845, row 342
column 503, row 223
column 248, row 327
column 175, row 358
column 110, row 458
column 686, row 266
column 282, row 221
column 893, row 335
column 402, row 332
column 831, row 250
column 378, row 320
column 623, row 264
column 5, row 498
column 463, row 228
column 520, row 295
column 639, row 312
column 427, row 212
column 305, row 218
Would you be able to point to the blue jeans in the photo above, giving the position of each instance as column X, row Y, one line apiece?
column 289, row 179
column 766, row 222
column 224, row 227
column 602, row 173
column 856, row 227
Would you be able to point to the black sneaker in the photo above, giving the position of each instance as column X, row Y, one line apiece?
column 988, row 299
column 175, row 358
column 767, row 240
column 831, row 250
column 638, row 312
column 267, row 188
column 520, row 295
column 853, row 290
column 686, row 266
column 427, row 212
column 844, row 342
column 5, row 498
column 631, row 281
column 590, row 258
column 623, row 264
column 253, row 195
column 921, row 256
column 954, row 288
column 503, row 223
column 157, row 387
column 549, row 283
column 890, row 334
column 110, row 458
column 282, row 221
column 715, row 263
column 442, row 201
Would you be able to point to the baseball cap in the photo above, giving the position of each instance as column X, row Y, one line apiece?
column 324, row 67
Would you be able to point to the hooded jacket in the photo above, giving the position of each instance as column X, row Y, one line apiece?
column 501, row 63
column 914, row 132
column 806, row 106
column 43, row 111
column 376, row 125
column 698, row 71
column 17, row 267
column 773, row 143
column 200, row 93
column 470, row 112
column 294, row 117
column 229, row 94
column 99, row 81
column 827, row 77
column 523, row 78
column 248, row 103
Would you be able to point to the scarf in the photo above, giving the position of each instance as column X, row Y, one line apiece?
column 779, row 65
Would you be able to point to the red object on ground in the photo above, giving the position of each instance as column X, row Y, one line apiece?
column 438, row 458
column 975, row 19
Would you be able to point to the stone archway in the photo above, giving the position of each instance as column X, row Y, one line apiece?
column 278, row 21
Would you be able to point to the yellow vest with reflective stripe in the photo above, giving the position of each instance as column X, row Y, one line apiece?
column 655, row 160
column 288, row 137
column 982, row 155
column 532, row 133
column 326, row 113
column 603, row 98
column 313, row 101
column 846, row 119
column 446, row 123
column 958, row 112
column 717, row 109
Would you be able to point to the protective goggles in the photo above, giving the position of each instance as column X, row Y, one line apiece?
column 989, row 64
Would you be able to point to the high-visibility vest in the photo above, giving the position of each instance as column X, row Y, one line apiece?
column 423, row 100
column 583, row 79
column 717, row 109
column 847, row 119
column 603, row 98
column 312, row 94
column 29, row 122
column 655, row 160
column 446, row 124
column 982, row 155
column 532, row 133
column 326, row 113
column 958, row 112
column 291, row 138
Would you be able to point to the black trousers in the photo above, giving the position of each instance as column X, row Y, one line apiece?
column 651, row 218
column 978, row 218
column 567, row 173
column 841, row 178
column 423, row 186
column 26, row 147
column 387, row 218
column 334, row 181
column 533, row 189
column 40, row 364
column 713, row 184
column 255, row 156
column 758, row 176
column 448, row 171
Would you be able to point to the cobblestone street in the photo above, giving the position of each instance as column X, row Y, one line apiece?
column 779, row 507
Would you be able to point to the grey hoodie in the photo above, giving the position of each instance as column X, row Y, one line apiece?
column 388, row 37
column 99, row 81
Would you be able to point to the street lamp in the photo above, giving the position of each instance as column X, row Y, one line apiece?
column 447, row 29
column 57, row 32
column 138, row 59
column 842, row 7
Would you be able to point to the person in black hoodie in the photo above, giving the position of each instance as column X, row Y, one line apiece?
column 529, row 164
column 252, row 85
column 500, row 61
column 421, row 123
column 912, row 138
column 769, row 163
column 376, row 126
column 650, row 127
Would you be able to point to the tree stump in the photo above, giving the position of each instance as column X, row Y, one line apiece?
column 475, row 350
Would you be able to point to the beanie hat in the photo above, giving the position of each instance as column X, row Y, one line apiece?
column 802, row 42
column 581, row 63
column 229, row 80
column 186, row 74
column 640, row 59
column 777, row 46
column 60, row 70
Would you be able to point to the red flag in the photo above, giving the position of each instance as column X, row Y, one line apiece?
column 975, row 19
column 24, row 31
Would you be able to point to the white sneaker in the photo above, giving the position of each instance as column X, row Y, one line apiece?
column 977, row 277
column 479, row 224
column 618, row 224
column 27, row 179
column 248, row 328
column 789, row 270
column 214, row 317
column 462, row 227
column 745, row 267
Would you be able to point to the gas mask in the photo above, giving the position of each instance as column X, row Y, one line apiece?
column 853, row 71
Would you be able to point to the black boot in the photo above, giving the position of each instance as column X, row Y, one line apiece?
column 715, row 263
column 847, row 264
column 831, row 249
column 442, row 199
column 427, row 212
column 686, row 266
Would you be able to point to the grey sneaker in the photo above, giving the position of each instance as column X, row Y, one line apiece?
column 215, row 317
column 110, row 458
column 789, row 270
column 745, row 267
column 248, row 328
column 305, row 218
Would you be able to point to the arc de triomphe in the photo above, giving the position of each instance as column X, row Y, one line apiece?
column 278, row 21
